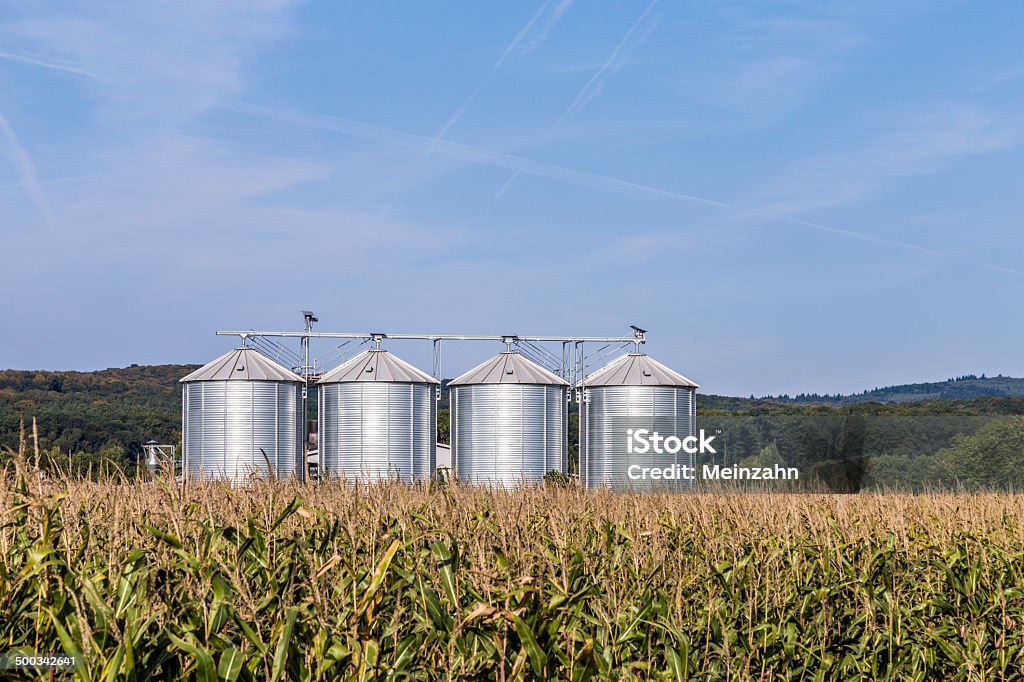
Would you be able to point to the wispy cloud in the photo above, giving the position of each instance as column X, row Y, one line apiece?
column 8, row 186
column 519, row 164
column 890, row 146
column 26, row 170
column 595, row 85
column 147, row 71
column 158, row 63
column 761, row 69
column 51, row 64
column 469, row 153
column 632, row 249
column 509, row 49
column 887, row 146
column 863, row 236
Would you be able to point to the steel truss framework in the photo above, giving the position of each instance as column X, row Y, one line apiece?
column 572, row 364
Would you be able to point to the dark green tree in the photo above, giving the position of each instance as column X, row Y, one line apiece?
column 991, row 459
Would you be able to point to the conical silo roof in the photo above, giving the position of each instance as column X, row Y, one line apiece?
column 242, row 364
column 377, row 364
column 508, row 368
column 637, row 369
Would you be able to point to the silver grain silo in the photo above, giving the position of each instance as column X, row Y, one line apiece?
column 241, row 418
column 635, row 394
column 508, row 420
column 378, row 420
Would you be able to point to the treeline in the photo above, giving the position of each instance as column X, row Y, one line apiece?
column 112, row 411
column 853, row 450
column 87, row 418
column 964, row 387
column 709, row 405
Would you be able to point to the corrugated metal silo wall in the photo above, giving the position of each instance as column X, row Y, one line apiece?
column 606, row 415
column 378, row 431
column 225, row 424
column 508, row 434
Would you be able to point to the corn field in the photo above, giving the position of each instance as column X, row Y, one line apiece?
column 302, row 582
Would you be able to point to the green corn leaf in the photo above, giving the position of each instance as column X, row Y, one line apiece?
column 676, row 665
column 292, row 507
column 69, row 645
column 112, row 670
column 538, row 659
column 281, row 653
column 445, row 562
column 164, row 536
column 378, row 578
column 205, row 670
column 230, row 665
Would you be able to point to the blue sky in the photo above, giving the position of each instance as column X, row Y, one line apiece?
column 792, row 196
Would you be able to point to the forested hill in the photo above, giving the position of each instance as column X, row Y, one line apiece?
column 967, row 387
column 89, row 411
column 118, row 409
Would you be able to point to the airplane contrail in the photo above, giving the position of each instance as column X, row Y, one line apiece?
column 46, row 64
column 999, row 268
column 519, row 37
column 863, row 236
column 523, row 32
column 48, row 181
column 549, row 25
column 26, row 170
column 582, row 97
column 466, row 152
column 390, row 136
